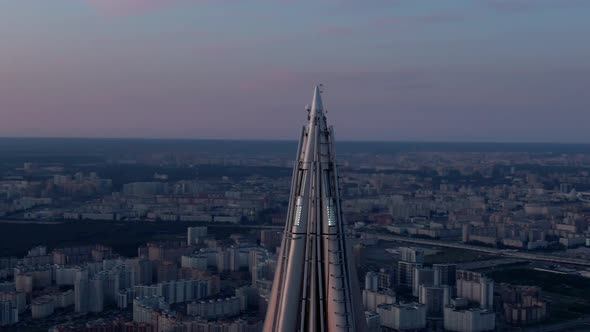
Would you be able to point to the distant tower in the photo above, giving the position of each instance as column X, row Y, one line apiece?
column 315, row 286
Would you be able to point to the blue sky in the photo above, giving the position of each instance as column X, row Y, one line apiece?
column 465, row 70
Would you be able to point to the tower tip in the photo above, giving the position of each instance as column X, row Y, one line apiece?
column 316, row 103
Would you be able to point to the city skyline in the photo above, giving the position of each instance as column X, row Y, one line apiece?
column 481, row 71
column 207, row 235
column 150, row 180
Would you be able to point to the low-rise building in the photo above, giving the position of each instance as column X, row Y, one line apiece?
column 42, row 307
column 403, row 317
column 468, row 319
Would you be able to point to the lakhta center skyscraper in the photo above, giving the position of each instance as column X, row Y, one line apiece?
column 315, row 285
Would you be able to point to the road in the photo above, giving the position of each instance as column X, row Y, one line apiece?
column 499, row 252
column 582, row 324
column 280, row 228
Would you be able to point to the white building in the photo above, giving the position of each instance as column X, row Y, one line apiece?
column 143, row 308
column 125, row 298
column 65, row 299
column 422, row 277
column 475, row 287
column 175, row 291
column 194, row 234
column 469, row 320
column 373, row 321
column 372, row 281
column 404, row 316
column 96, row 293
column 435, row 298
column 8, row 313
column 19, row 298
column 215, row 309
column 81, row 291
column 574, row 241
column 196, row 261
column 64, row 276
column 411, row 255
column 372, row 299
column 24, row 282
column 37, row 251
column 42, row 307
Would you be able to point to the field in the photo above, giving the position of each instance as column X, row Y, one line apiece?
column 567, row 295
column 124, row 237
column 563, row 284
column 452, row 255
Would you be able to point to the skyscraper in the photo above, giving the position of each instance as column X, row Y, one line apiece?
column 315, row 285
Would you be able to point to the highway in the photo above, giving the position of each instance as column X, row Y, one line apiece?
column 582, row 324
column 438, row 243
column 219, row 225
column 499, row 252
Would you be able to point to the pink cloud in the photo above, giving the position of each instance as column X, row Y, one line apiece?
column 433, row 18
column 511, row 5
column 439, row 18
column 518, row 6
column 129, row 7
column 336, row 31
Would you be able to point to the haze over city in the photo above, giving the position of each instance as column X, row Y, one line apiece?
column 458, row 70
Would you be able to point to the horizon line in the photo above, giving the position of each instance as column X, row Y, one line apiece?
column 138, row 138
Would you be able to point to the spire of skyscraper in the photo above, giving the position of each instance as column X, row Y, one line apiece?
column 315, row 284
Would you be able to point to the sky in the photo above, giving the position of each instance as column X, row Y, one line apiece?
column 409, row 70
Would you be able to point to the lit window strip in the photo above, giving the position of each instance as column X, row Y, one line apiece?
column 331, row 215
column 298, row 211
